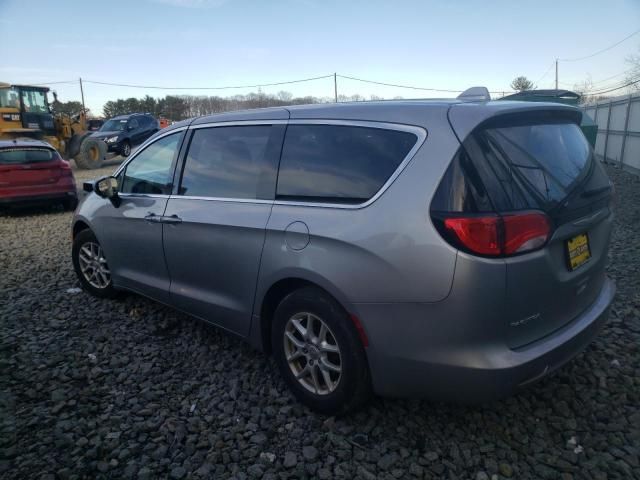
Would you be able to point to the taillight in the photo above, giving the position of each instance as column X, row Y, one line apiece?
column 478, row 234
column 65, row 167
column 497, row 235
column 525, row 232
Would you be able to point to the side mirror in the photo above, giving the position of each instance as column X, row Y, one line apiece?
column 130, row 127
column 107, row 187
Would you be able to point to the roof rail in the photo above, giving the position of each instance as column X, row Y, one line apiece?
column 475, row 94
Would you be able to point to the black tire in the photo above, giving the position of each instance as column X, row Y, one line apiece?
column 354, row 384
column 92, row 153
column 82, row 238
column 70, row 204
column 125, row 149
column 73, row 147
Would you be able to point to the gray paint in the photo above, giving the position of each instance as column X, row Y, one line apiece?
column 440, row 322
column 213, row 257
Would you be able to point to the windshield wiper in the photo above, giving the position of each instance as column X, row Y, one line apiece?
column 595, row 191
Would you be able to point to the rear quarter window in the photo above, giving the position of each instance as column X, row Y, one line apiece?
column 339, row 164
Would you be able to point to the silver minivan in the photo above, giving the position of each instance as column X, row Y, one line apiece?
column 451, row 249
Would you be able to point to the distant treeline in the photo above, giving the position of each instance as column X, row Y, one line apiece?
column 186, row 106
column 179, row 107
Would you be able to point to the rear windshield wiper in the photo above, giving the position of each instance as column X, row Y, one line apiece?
column 595, row 191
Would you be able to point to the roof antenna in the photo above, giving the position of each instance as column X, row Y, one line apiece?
column 475, row 94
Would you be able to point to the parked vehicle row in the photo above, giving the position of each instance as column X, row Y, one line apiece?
column 33, row 171
column 449, row 249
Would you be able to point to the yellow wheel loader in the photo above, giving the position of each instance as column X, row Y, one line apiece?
column 25, row 112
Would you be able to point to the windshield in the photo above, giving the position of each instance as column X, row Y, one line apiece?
column 114, row 126
column 16, row 156
column 9, row 98
column 34, row 101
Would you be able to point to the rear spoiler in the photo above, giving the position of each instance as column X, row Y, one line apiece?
column 465, row 117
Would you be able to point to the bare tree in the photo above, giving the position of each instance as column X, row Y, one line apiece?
column 521, row 83
column 633, row 75
column 584, row 89
column 284, row 96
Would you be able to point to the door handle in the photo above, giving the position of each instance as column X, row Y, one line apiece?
column 173, row 219
column 153, row 218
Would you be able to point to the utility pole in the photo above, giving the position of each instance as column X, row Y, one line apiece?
column 335, row 86
column 82, row 95
column 556, row 74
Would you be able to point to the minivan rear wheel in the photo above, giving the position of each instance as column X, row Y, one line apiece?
column 319, row 353
column 90, row 265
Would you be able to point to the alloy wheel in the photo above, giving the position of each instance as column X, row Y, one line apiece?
column 313, row 354
column 93, row 265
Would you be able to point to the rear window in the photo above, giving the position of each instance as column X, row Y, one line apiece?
column 545, row 160
column 515, row 166
column 13, row 156
column 336, row 163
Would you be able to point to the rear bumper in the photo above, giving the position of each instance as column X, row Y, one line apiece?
column 457, row 370
column 14, row 197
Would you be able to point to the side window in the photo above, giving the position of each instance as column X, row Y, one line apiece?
column 151, row 171
column 231, row 162
column 133, row 123
column 336, row 163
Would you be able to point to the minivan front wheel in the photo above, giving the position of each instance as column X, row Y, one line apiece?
column 90, row 265
column 319, row 353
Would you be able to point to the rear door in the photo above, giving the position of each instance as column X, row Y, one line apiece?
column 147, row 124
column 541, row 161
column 137, row 130
column 215, row 225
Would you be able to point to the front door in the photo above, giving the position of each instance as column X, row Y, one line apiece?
column 216, row 223
column 132, row 237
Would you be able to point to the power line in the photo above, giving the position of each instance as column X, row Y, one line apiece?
column 545, row 73
column 411, row 87
column 52, row 83
column 626, row 72
column 628, row 84
column 600, row 51
column 398, row 86
column 603, row 80
column 207, row 88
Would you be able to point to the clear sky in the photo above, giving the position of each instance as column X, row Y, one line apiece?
column 439, row 44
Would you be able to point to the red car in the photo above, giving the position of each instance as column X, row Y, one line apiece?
column 33, row 171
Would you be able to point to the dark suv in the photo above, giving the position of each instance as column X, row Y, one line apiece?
column 125, row 131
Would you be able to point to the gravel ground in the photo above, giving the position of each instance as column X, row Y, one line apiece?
column 129, row 389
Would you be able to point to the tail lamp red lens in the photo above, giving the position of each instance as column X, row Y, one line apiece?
column 65, row 167
column 500, row 235
column 478, row 234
